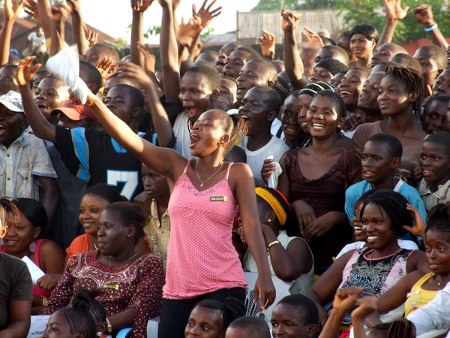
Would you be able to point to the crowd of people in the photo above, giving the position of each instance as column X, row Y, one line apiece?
column 153, row 194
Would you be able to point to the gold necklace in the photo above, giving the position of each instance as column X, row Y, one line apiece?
column 203, row 182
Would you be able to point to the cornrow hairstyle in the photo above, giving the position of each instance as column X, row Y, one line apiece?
column 96, row 309
column 211, row 75
column 369, row 32
column 404, row 60
column 413, row 81
column 109, row 51
column 304, row 305
column 394, row 205
column 6, row 86
column 6, row 206
column 33, row 211
column 93, row 75
column 394, row 146
column 401, row 328
column 437, row 54
column 253, row 326
column 105, row 192
column 312, row 88
column 341, row 51
column 336, row 99
column 231, row 309
column 79, row 317
column 253, row 53
column 439, row 218
column 128, row 213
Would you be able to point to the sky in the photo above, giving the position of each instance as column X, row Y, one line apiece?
column 114, row 19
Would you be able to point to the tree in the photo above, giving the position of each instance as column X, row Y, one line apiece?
column 372, row 12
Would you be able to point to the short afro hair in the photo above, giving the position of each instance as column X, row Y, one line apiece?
column 368, row 31
column 109, row 51
column 306, row 306
column 93, row 75
column 253, row 53
column 342, row 53
column 253, row 326
column 212, row 77
column 441, row 137
column 405, row 61
column 437, row 54
column 394, row 146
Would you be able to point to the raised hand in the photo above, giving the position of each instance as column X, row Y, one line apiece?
column 31, row 9
column 205, row 15
column 394, row 10
column 165, row 3
column 418, row 229
column 103, row 66
column 91, row 36
column 26, row 70
column 268, row 42
column 60, row 13
column 74, row 5
column 315, row 41
column 345, row 299
column 149, row 57
column 289, row 20
column 12, row 9
column 424, row 15
column 140, row 5
column 188, row 32
column 134, row 71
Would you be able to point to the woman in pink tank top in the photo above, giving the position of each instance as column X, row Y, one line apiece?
column 201, row 261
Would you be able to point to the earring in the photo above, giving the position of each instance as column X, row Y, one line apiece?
column 128, row 235
column 32, row 247
column 269, row 220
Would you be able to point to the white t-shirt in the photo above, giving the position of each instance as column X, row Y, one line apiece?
column 36, row 40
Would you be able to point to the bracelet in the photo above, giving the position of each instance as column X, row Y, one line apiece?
column 271, row 244
column 109, row 327
column 429, row 29
column 44, row 301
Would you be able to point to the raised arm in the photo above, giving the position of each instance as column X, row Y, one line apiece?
column 424, row 15
column 291, row 57
column 159, row 116
column 268, row 43
column 59, row 16
column 41, row 127
column 394, row 14
column 78, row 33
column 169, row 52
column 137, row 30
column 45, row 13
column 11, row 12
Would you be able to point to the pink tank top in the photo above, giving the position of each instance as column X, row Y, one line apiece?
column 201, row 257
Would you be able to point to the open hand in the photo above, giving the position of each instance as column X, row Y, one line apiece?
column 60, row 13
column 133, row 71
column 188, row 32
column 103, row 66
column 264, row 291
column 289, row 20
column 268, row 42
column 91, row 36
column 74, row 5
column 394, row 10
column 32, row 10
column 424, row 15
column 205, row 15
column 418, row 229
column 12, row 9
column 26, row 70
column 314, row 40
column 148, row 56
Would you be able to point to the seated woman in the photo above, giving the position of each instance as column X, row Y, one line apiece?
column 23, row 239
column 290, row 258
column 15, row 285
column 383, row 262
column 210, row 318
column 315, row 179
column 94, row 201
column 417, row 288
column 132, row 283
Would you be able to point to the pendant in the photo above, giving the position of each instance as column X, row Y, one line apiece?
column 201, row 184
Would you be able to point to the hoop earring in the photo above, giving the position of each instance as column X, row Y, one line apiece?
column 32, row 247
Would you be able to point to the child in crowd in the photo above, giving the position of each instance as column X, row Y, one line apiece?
column 210, row 318
column 295, row 316
column 290, row 258
column 435, row 165
column 26, row 165
column 259, row 108
column 434, row 116
column 249, row 327
column 380, row 159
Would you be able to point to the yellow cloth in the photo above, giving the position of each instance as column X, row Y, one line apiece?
column 419, row 297
column 157, row 232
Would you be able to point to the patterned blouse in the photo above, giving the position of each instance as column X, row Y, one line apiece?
column 136, row 284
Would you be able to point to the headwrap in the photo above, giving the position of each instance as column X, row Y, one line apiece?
column 312, row 88
column 277, row 202
column 332, row 65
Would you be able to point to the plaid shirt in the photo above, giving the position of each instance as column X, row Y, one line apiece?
column 26, row 158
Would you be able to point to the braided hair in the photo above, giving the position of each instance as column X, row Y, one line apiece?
column 231, row 309
column 6, row 206
column 79, row 316
column 413, row 82
column 439, row 218
column 401, row 328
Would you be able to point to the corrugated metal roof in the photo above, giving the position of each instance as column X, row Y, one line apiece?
column 250, row 24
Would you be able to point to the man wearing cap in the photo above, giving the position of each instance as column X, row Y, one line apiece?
column 24, row 164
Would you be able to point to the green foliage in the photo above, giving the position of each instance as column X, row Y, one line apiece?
column 152, row 30
column 206, row 32
column 408, row 30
